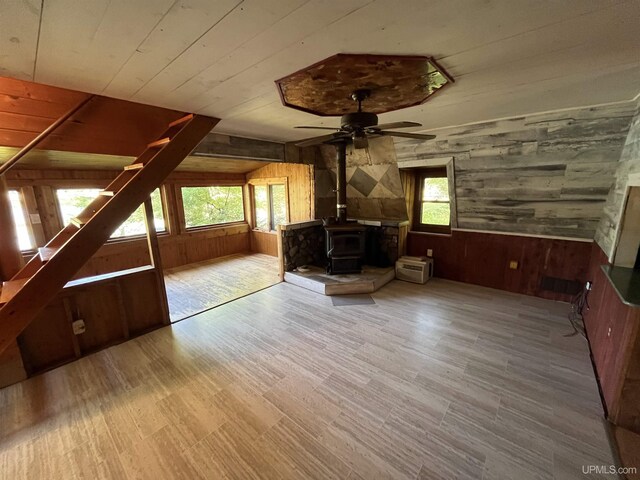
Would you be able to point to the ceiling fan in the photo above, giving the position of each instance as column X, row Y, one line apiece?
column 360, row 126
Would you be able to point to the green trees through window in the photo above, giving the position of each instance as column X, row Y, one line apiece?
column 432, row 205
column 270, row 204
column 73, row 200
column 435, row 202
column 205, row 206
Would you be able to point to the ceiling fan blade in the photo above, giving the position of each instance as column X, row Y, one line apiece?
column 318, row 140
column 319, row 128
column 417, row 136
column 396, row 125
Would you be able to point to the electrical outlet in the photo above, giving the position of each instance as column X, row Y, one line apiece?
column 588, row 286
column 78, row 327
column 513, row 265
column 609, row 332
column 429, row 252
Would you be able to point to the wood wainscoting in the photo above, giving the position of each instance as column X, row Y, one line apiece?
column 612, row 328
column 484, row 259
column 114, row 308
column 264, row 242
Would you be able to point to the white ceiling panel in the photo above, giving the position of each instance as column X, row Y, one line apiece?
column 221, row 57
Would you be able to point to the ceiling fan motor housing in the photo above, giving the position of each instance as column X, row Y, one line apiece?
column 358, row 120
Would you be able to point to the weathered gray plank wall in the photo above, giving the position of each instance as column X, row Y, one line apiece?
column 629, row 164
column 546, row 174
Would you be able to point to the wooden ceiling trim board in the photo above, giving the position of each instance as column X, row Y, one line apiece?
column 183, row 25
column 240, row 26
column 101, row 38
column 290, row 30
column 19, row 24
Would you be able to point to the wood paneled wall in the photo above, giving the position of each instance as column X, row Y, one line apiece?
column 299, row 184
column 105, row 125
column 300, row 188
column 264, row 242
column 177, row 247
column 114, row 309
column 612, row 328
column 483, row 259
column 546, row 174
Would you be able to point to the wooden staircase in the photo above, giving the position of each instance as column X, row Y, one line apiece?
column 37, row 283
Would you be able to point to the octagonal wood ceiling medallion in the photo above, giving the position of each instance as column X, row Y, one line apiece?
column 395, row 82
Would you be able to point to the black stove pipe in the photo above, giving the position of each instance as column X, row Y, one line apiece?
column 341, row 181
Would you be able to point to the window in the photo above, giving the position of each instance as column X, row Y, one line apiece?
column 73, row 200
column 25, row 241
column 432, row 212
column 270, row 206
column 206, row 206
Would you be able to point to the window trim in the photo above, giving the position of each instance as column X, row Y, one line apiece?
column 268, row 182
column 421, row 175
column 124, row 238
column 408, row 168
column 180, row 202
column 27, row 220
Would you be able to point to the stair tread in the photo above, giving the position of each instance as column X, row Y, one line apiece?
column 46, row 253
column 184, row 119
column 107, row 193
column 134, row 166
column 78, row 222
column 10, row 288
column 159, row 143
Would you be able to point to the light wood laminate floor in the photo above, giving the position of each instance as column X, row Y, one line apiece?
column 434, row 381
column 200, row 286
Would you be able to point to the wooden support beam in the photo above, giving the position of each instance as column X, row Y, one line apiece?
column 156, row 259
column 227, row 146
column 42, row 287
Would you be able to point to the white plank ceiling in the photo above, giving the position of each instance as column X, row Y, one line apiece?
column 221, row 57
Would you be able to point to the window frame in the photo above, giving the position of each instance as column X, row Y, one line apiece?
column 26, row 218
column 180, row 202
column 125, row 238
column 268, row 183
column 420, row 176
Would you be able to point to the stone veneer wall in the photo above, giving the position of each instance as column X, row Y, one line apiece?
column 303, row 246
column 306, row 246
column 374, row 189
column 629, row 164
column 382, row 246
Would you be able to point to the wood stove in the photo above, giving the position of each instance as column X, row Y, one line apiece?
column 345, row 241
column 345, row 247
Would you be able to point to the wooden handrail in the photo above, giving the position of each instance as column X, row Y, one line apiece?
column 44, row 134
